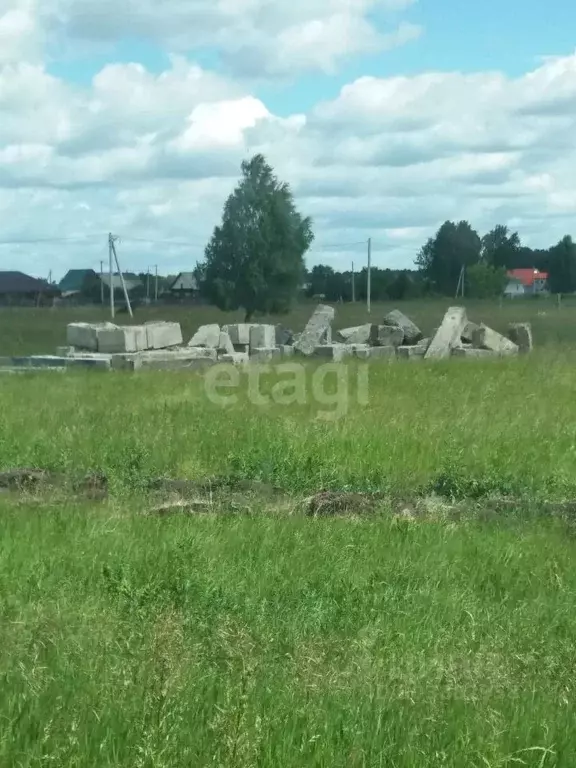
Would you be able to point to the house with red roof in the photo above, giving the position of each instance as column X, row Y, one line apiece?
column 525, row 282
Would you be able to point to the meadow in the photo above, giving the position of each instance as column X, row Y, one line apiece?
column 252, row 635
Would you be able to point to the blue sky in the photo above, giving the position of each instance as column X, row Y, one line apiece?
column 152, row 152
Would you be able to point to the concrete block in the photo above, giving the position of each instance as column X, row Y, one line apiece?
column 485, row 338
column 262, row 337
column 127, row 338
column 448, row 334
column 335, row 352
column 265, row 354
column 521, row 335
column 238, row 358
column 224, row 344
column 239, row 333
column 190, row 358
column 383, row 353
column 316, row 329
column 361, row 351
column 471, row 353
column 65, row 351
column 326, row 337
column 414, row 352
column 161, row 335
column 412, row 333
column 286, row 350
column 284, row 336
column 206, row 336
column 468, row 331
column 386, row 335
column 360, row 334
column 85, row 335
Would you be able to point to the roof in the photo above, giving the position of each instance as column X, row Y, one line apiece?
column 185, row 281
column 18, row 282
column 130, row 279
column 74, row 279
column 527, row 276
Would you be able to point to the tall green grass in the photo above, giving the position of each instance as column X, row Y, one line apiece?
column 255, row 641
column 463, row 428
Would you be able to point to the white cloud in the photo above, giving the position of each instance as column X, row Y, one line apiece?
column 153, row 155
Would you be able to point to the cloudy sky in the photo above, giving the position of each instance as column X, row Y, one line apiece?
column 386, row 116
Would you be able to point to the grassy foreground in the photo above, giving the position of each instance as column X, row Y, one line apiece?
column 258, row 641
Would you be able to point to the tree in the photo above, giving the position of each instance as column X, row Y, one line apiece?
column 562, row 266
column 484, row 281
column 255, row 258
column 501, row 248
column 441, row 259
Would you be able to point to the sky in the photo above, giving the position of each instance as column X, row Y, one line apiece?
column 387, row 117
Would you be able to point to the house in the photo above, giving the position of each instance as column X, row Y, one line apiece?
column 89, row 286
column 131, row 281
column 184, row 286
column 526, row 282
column 20, row 289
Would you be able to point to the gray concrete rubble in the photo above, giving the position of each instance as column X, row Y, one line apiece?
column 239, row 333
column 468, row 331
column 521, row 335
column 414, row 352
column 448, row 334
column 265, row 354
column 286, row 350
column 225, row 346
column 361, row 351
column 127, row 338
column 193, row 358
column 474, row 354
column 85, row 335
column 162, row 335
column 238, row 358
column 485, row 338
column 206, row 336
column 262, row 336
column 316, row 329
column 334, row 352
column 386, row 335
column 360, row 334
column 412, row 333
column 284, row 336
column 383, row 353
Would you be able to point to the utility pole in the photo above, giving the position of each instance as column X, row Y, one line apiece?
column 156, row 286
column 148, row 285
column 369, row 280
column 127, row 298
column 111, row 273
column 101, row 283
column 353, row 286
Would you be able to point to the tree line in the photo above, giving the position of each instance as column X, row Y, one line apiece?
column 255, row 257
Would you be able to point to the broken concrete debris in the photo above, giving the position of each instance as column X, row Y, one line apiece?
column 316, row 329
column 521, row 335
column 412, row 333
column 448, row 335
column 159, row 346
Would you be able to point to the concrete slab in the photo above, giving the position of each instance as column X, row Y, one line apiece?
column 361, row 351
column 414, row 352
column 286, row 350
column 206, row 336
column 191, row 357
column 448, row 334
column 383, row 353
column 65, row 351
column 468, row 331
column 85, row 335
column 265, row 354
column 284, row 336
column 239, row 333
column 471, row 353
column 412, row 333
column 335, row 352
column 238, row 358
column 161, row 335
column 386, row 335
column 485, row 338
column 126, row 338
column 521, row 335
column 225, row 346
column 262, row 336
column 316, row 329
column 359, row 334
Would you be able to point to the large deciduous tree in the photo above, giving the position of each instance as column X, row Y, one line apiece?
column 255, row 258
column 441, row 259
column 501, row 248
column 562, row 266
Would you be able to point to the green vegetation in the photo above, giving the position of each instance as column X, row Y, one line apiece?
column 255, row 259
column 258, row 637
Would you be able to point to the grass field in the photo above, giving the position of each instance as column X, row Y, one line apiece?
column 255, row 636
